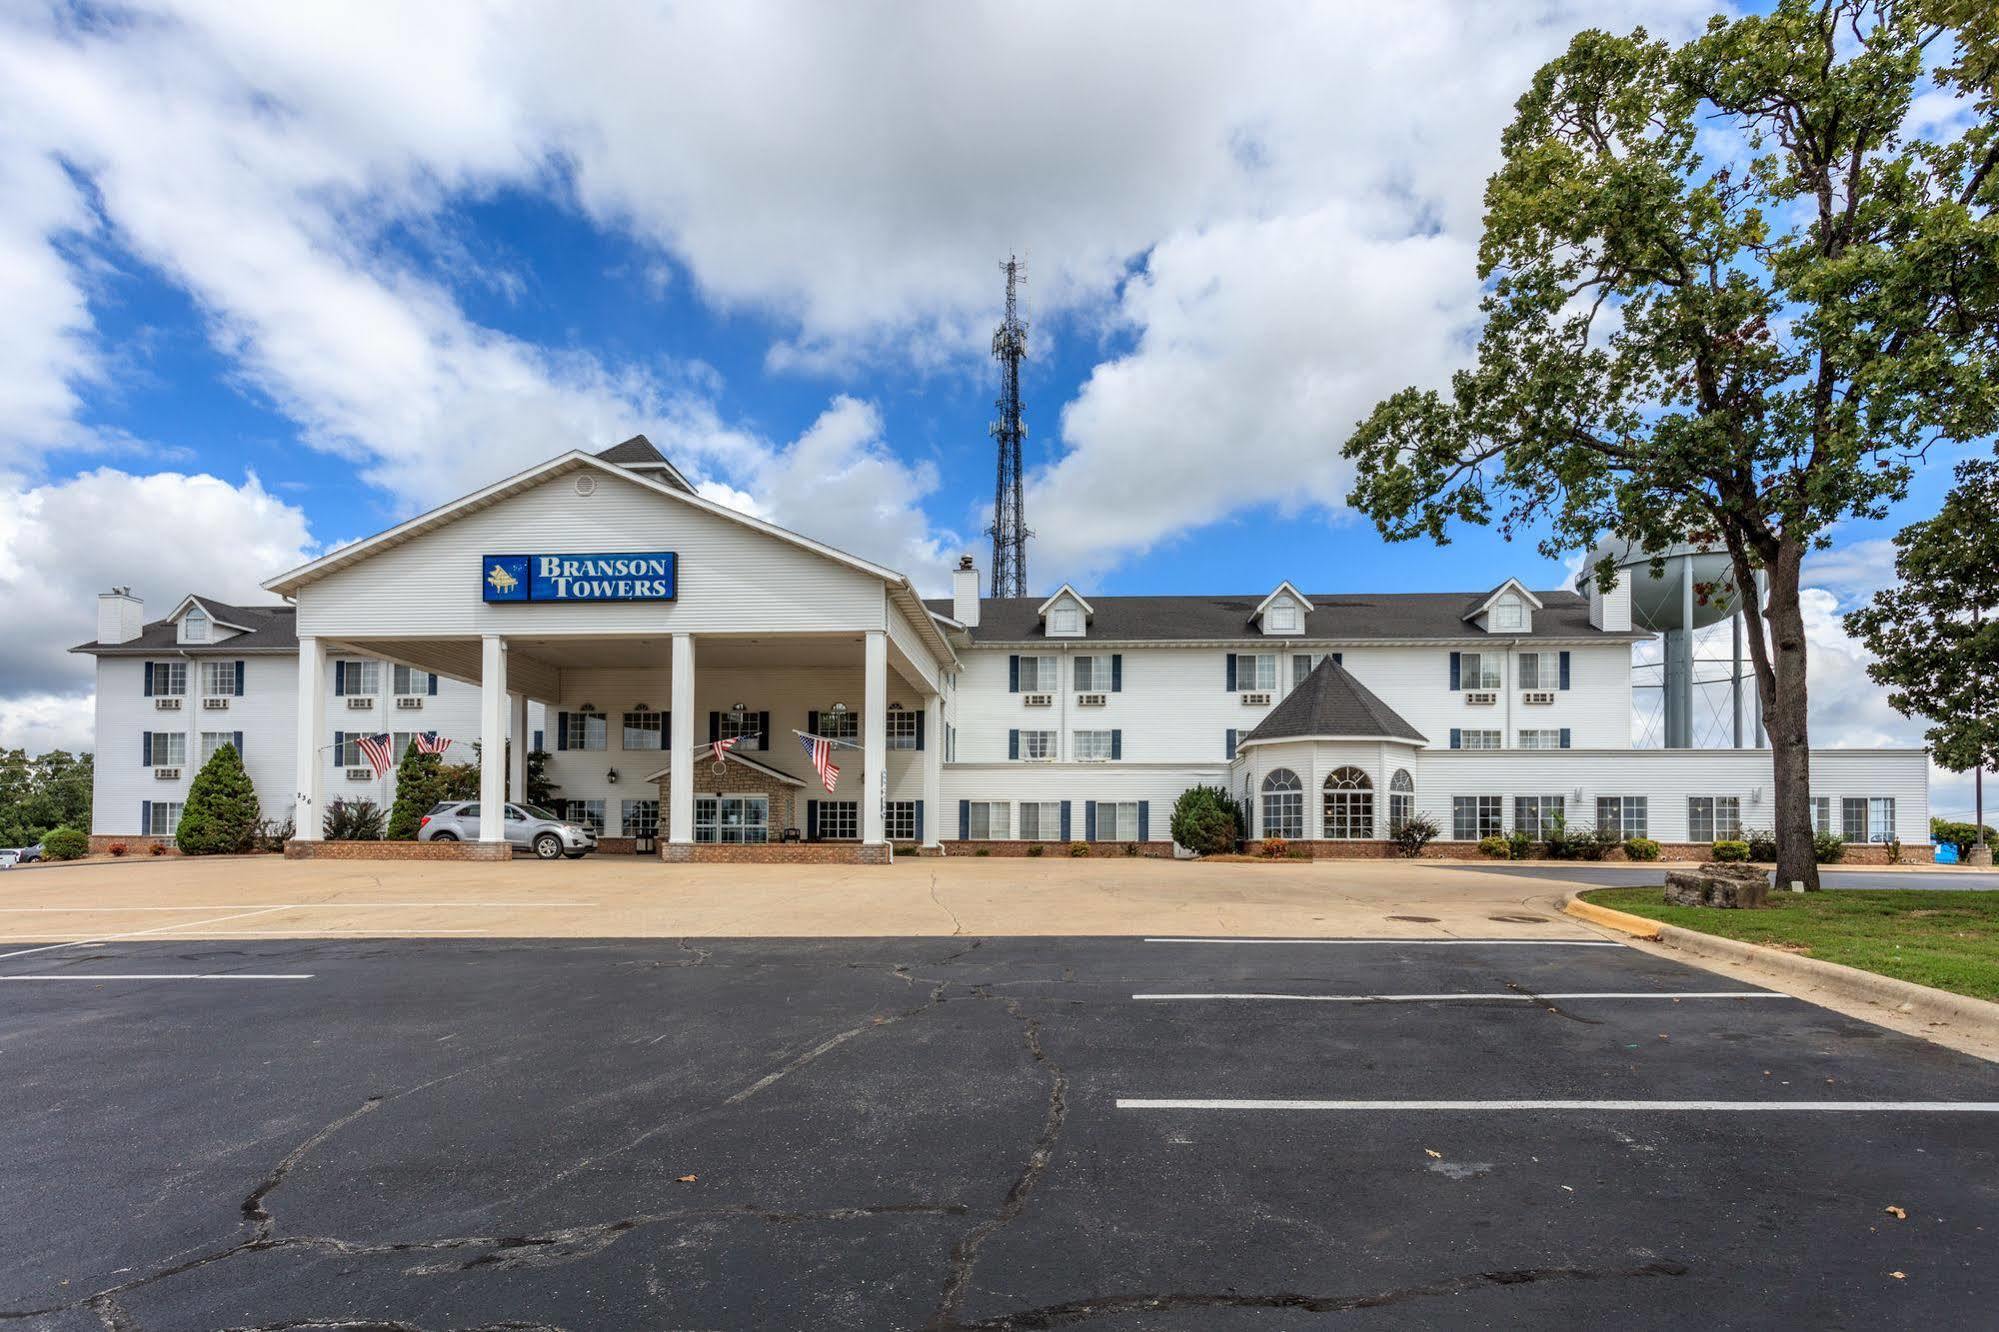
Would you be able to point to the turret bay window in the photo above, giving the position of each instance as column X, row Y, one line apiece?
column 644, row 729
column 1477, row 817
column 1622, row 817
column 1283, row 805
column 1349, row 804
column 1714, row 818
column 1537, row 816
column 1867, row 818
column 1401, row 800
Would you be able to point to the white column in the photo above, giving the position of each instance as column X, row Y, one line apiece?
column 493, row 739
column 680, row 762
column 306, row 811
column 517, row 752
column 874, row 737
column 933, row 770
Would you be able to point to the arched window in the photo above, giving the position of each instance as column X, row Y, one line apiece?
column 194, row 625
column 1349, row 798
column 1401, row 799
column 1283, row 805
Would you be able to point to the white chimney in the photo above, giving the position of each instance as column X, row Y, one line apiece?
column 1610, row 611
column 120, row 616
column 965, row 593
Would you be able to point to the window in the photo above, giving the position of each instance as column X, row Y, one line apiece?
column 169, row 749
column 950, row 743
column 839, row 821
column 1038, row 675
column 346, row 754
column 195, row 626
column 1541, row 739
column 1093, row 675
column 169, row 677
column 899, row 820
column 1283, row 805
column 902, row 728
column 1478, row 670
column 1283, row 618
column 1622, row 816
column 1867, row 818
column 1540, row 670
column 1040, row 821
column 212, row 741
column 165, row 818
column 587, row 730
column 1714, row 818
column 641, row 818
column 587, row 814
column 735, row 725
column 1064, row 621
column 1537, row 816
column 739, row 819
column 1303, row 664
column 1479, row 739
column 410, row 682
column 360, row 677
column 1090, row 746
column 1349, row 804
column 1821, row 814
column 989, row 821
column 644, row 729
column 1509, row 614
column 218, row 677
column 1037, row 745
column 1256, row 670
column 1117, row 820
column 1401, row 800
column 842, row 725
column 1474, row 817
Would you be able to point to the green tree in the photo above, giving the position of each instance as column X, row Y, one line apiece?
column 39, row 793
column 420, row 784
column 221, row 814
column 1727, row 299
column 1207, row 820
column 1935, row 634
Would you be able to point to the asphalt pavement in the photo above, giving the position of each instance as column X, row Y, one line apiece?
column 966, row 1133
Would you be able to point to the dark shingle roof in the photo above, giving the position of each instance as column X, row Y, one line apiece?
column 270, row 629
column 1329, row 701
column 637, row 449
column 1336, row 616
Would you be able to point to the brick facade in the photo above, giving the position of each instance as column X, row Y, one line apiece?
column 297, row 850
column 1060, row 850
column 134, row 846
column 773, row 853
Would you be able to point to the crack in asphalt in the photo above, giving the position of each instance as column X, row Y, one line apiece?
column 834, row 1042
column 383, row 1325
column 1552, row 1006
column 957, row 926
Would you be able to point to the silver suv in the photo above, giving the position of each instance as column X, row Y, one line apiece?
column 529, row 828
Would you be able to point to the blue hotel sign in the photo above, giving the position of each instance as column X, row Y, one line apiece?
column 646, row 576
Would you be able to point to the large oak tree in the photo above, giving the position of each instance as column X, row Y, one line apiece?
column 1735, row 291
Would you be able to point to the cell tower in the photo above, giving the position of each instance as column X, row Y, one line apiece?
column 1009, row 529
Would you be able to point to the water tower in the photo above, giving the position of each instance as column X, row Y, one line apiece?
column 1694, row 592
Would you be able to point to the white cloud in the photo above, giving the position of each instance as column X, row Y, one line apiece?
column 41, row 722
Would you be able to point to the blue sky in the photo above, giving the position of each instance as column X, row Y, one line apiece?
column 283, row 275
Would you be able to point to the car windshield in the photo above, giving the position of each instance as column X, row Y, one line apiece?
column 537, row 812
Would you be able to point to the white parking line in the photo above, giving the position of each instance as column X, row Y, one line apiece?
column 1430, row 943
column 167, row 975
column 138, row 934
column 1466, row 998
column 1835, row 1107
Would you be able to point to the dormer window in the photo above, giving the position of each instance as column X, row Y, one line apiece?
column 1066, row 620
column 1284, row 619
column 1509, row 615
column 1283, row 611
column 1066, row 614
column 194, row 626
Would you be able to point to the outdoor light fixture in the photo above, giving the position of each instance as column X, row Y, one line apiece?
column 612, row 776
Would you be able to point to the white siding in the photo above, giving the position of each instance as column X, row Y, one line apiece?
column 1158, row 783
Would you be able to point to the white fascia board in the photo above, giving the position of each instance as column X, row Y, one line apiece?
column 1066, row 591
column 191, row 600
column 666, row 773
column 1296, row 596
column 1245, row 742
column 1510, row 585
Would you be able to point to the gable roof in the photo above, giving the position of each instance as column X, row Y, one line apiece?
column 1073, row 594
column 1281, row 589
column 1330, row 702
column 735, row 756
column 229, row 617
column 640, row 455
column 1483, row 604
column 265, row 629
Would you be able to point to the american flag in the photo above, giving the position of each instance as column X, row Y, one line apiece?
column 820, row 750
column 375, row 748
column 722, row 747
column 430, row 742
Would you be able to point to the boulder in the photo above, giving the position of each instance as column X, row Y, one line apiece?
column 1726, row 886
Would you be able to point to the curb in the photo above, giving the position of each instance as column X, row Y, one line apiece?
column 1849, row 983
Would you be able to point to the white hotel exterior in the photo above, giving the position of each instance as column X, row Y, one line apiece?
column 998, row 722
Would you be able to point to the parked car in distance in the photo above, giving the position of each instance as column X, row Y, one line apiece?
column 529, row 828
column 30, row 854
column 9, row 858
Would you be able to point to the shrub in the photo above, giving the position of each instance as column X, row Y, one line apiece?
column 66, row 844
column 1207, row 820
column 272, row 835
column 1034, row 849
column 1762, row 845
column 1731, row 851
column 353, row 821
column 1079, row 848
column 117, row 848
column 1496, row 847
column 1131, row 848
column 1641, row 848
column 1894, row 851
column 221, row 814
column 159, row 848
column 1963, row 836
column 420, row 785
column 1558, row 839
column 1519, row 846
column 1829, row 848
column 1593, row 843
column 1413, row 834
column 1273, row 848
column 983, row 851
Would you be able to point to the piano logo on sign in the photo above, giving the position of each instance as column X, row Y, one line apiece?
column 608, row 576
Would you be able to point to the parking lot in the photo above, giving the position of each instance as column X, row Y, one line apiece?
column 1119, row 1133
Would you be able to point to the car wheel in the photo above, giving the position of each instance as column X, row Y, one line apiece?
column 445, row 837
column 548, row 846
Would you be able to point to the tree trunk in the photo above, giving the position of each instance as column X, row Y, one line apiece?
column 1785, row 719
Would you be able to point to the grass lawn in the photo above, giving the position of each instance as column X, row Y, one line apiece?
column 1946, row 940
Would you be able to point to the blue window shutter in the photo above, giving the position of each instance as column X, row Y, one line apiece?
column 1456, row 735
column 1454, row 678
column 149, row 677
column 1337, row 661
column 1145, row 820
column 763, row 730
column 1089, row 820
column 237, row 740
column 1117, row 744
column 1565, row 737
column 432, row 691
column 1231, row 744
column 145, row 749
column 537, row 742
column 339, row 678
column 1117, row 672
column 1013, row 744
column 812, row 820
column 1565, row 670
column 812, row 723
column 714, row 727
column 1231, row 672
column 964, row 820
column 339, row 743
column 665, row 729
column 1065, row 820
column 145, row 817
column 1013, row 673
column 561, row 731
column 239, row 683
column 919, row 823
column 919, row 728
